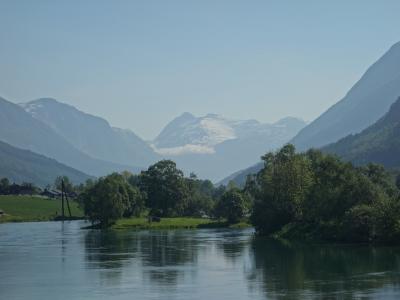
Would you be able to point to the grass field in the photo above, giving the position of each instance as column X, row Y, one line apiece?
column 27, row 208
column 174, row 223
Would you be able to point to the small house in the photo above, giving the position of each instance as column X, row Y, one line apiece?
column 51, row 193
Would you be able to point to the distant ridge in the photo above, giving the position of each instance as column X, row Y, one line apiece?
column 25, row 166
column 92, row 135
column 19, row 129
column 367, row 101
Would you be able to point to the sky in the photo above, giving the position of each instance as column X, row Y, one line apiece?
column 139, row 64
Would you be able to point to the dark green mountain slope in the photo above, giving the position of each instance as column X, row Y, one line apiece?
column 379, row 143
column 25, row 166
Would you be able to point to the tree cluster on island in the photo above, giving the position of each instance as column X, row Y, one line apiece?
column 160, row 191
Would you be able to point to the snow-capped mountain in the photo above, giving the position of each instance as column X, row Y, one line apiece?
column 212, row 146
column 189, row 134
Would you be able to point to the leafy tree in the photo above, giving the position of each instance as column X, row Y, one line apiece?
column 4, row 186
column 28, row 188
column 232, row 206
column 69, row 188
column 164, row 185
column 283, row 185
column 200, row 200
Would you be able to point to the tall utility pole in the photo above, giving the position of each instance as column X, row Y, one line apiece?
column 64, row 195
column 62, row 199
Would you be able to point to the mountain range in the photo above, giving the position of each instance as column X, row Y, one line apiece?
column 212, row 146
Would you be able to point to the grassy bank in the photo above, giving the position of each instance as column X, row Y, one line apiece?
column 27, row 208
column 175, row 223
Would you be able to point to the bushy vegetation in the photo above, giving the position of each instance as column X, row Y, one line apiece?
column 7, row 188
column 319, row 196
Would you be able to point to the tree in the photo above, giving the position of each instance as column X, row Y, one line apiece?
column 232, row 206
column 68, row 186
column 4, row 186
column 200, row 200
column 282, row 188
column 111, row 198
column 164, row 185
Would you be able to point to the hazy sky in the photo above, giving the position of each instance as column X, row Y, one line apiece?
column 141, row 63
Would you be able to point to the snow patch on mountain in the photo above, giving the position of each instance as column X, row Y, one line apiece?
column 187, row 149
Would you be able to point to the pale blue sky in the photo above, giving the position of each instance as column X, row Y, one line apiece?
column 141, row 63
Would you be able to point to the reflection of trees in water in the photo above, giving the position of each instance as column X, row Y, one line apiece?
column 325, row 270
column 162, row 255
column 166, row 254
column 109, row 250
column 232, row 244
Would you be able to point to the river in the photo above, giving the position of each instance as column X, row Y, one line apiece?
column 55, row 260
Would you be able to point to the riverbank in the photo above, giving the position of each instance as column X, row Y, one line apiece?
column 32, row 208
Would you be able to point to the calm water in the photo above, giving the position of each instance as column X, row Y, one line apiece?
column 61, row 261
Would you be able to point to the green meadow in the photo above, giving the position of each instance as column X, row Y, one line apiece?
column 31, row 208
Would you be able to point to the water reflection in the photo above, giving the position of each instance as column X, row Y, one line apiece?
column 159, row 254
column 167, row 254
column 41, row 260
column 285, row 270
column 232, row 244
column 109, row 249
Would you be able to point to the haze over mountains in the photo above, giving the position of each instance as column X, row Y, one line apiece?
column 212, row 146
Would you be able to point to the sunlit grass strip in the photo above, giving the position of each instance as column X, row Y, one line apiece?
column 174, row 223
